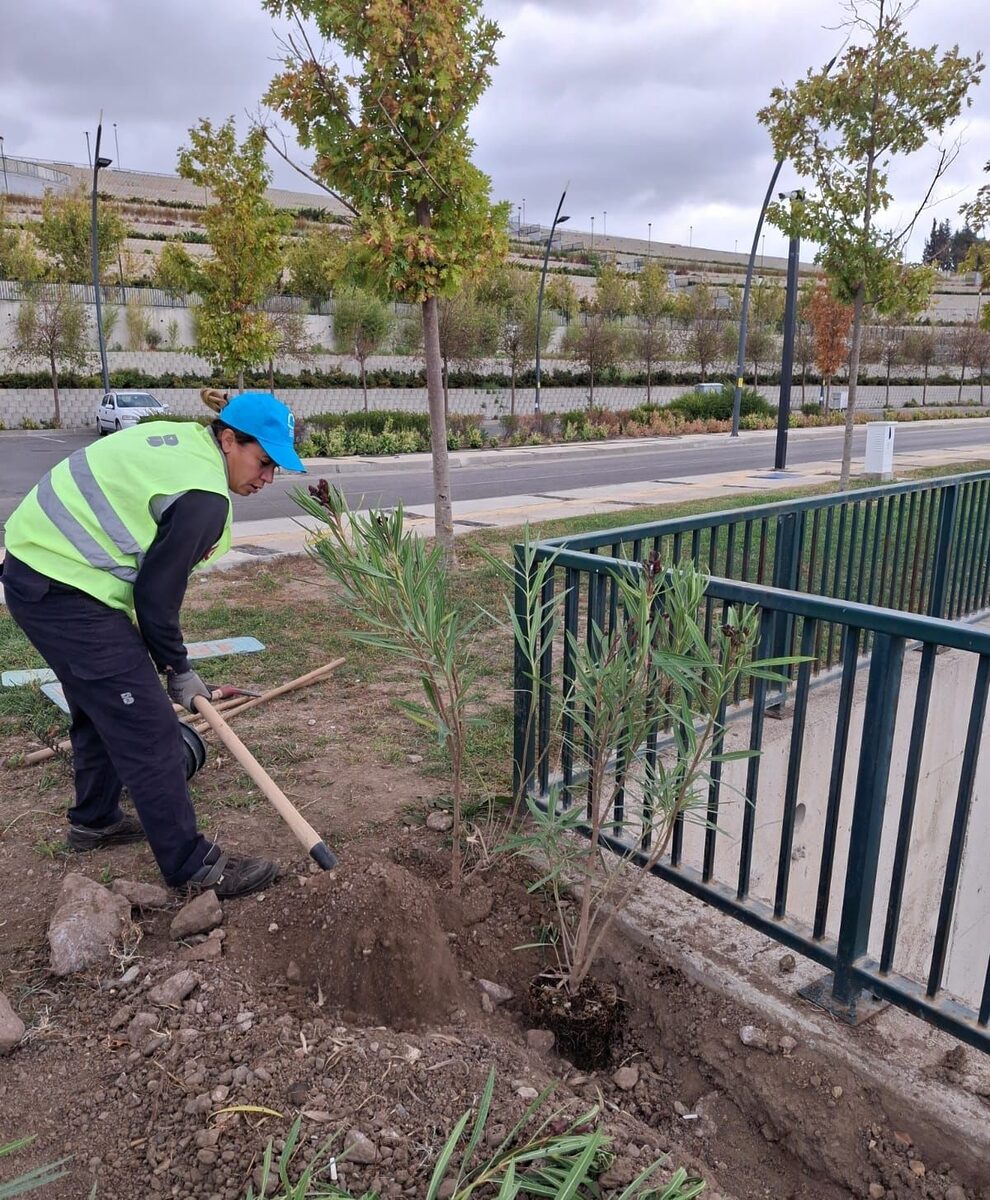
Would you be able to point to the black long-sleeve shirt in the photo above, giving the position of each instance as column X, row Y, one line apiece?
column 187, row 530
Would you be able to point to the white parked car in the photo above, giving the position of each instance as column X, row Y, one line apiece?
column 120, row 410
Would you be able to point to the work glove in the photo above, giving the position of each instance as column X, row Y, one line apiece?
column 184, row 686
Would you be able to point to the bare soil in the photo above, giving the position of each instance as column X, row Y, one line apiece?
column 352, row 999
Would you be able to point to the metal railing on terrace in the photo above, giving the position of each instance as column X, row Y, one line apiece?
column 856, row 834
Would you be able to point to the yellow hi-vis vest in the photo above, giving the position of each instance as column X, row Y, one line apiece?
column 92, row 518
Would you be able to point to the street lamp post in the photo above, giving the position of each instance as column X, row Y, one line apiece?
column 95, row 250
column 116, row 144
column 3, row 159
column 557, row 220
column 592, row 235
column 605, row 226
column 787, row 355
column 89, row 154
column 649, row 237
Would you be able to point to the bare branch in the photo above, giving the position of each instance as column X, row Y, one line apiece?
column 283, row 153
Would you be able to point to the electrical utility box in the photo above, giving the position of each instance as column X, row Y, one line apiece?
column 880, row 449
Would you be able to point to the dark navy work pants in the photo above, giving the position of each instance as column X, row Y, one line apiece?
column 124, row 731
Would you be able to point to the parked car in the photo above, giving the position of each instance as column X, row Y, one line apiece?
column 120, row 410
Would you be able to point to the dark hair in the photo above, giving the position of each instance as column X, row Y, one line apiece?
column 243, row 439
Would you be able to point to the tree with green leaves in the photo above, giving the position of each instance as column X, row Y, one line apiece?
column 18, row 256
column 51, row 323
column 842, row 128
column 361, row 323
column 291, row 340
column 614, row 297
column 64, row 233
column 467, row 332
column 315, row 263
column 245, row 233
column 561, row 296
column 699, row 310
column 920, row 349
column 599, row 343
column 652, row 304
column 389, row 138
column 513, row 294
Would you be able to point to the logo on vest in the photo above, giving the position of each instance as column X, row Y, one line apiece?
column 127, row 697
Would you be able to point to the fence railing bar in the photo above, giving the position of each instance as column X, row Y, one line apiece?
column 919, row 724
column 757, row 720
column 906, row 587
column 714, row 790
column 960, row 820
column 792, row 785
column 546, row 671
column 572, row 600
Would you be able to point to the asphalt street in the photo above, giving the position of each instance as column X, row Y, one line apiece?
column 24, row 457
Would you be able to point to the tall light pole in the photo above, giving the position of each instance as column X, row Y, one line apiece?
column 690, row 235
column 787, row 356
column 592, row 235
column 557, row 220
column 116, row 144
column 3, row 159
column 649, row 237
column 89, row 155
column 95, row 250
column 605, row 226
column 524, row 210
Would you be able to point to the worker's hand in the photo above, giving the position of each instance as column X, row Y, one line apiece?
column 183, row 687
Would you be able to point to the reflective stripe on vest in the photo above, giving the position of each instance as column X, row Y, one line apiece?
column 82, row 541
column 106, row 515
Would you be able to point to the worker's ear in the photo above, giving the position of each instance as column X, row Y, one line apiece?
column 227, row 440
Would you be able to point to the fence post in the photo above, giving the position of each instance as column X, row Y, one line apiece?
column 943, row 550
column 786, row 568
column 524, row 735
column 882, row 692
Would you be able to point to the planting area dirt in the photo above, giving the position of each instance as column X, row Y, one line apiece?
column 372, row 1002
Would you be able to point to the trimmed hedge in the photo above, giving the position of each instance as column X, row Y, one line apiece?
column 697, row 406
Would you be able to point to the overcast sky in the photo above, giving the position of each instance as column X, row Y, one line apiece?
column 646, row 107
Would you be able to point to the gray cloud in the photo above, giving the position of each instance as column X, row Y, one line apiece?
column 647, row 107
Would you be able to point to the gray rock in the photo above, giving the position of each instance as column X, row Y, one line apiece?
column 440, row 821
column 359, row 1148
column 208, row 950
column 413, row 759
column 87, row 921
column 954, row 1192
column 526, row 1092
column 142, row 1025
column 495, row 991
column 788, row 1045
column 787, row 964
column 540, row 1040
column 11, row 1026
column 199, row 916
column 141, row 895
column 626, row 1078
column 172, row 991
column 749, row 1035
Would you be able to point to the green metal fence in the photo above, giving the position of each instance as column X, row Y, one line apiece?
column 852, row 584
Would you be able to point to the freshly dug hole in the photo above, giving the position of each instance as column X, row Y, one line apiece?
column 369, row 937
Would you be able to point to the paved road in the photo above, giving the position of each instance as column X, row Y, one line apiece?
column 25, row 457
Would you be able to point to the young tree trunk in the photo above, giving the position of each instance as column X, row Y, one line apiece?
column 962, row 376
column 240, row 380
column 924, row 386
column 58, row 406
column 857, row 342
column 591, row 386
column 442, row 515
column 364, row 384
column 271, row 375
column 512, row 388
column 886, row 397
column 649, row 382
column 446, row 390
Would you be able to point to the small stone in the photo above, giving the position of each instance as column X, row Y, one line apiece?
column 902, row 1140
column 497, row 993
column 318, row 1115
column 273, row 928
column 786, row 964
column 749, row 1035
column 311, row 722
column 787, row 1044
column 768, row 1132
column 141, row 1025
column 206, row 1139
column 526, row 1092
column 208, row 950
column 954, row 1192
column 439, row 821
column 141, row 895
column 837, row 1092
column 540, row 1040
column 292, row 972
column 359, row 1148
column 815, row 1081
column 172, row 991
column 487, row 1003
column 11, row 1026
column 626, row 1078
column 877, row 1191
column 413, row 759
column 681, row 1109
column 917, row 1167
column 220, row 1093
column 199, row 916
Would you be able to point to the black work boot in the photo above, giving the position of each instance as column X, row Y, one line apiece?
column 84, row 837
column 230, row 876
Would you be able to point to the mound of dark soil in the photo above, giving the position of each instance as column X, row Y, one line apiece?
column 367, row 939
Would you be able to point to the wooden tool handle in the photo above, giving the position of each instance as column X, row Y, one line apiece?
column 301, row 828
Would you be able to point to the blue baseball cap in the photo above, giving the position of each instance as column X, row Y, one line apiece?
column 269, row 422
